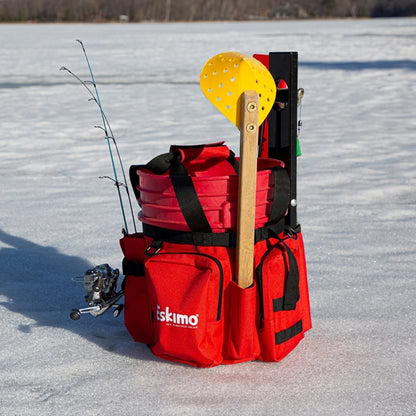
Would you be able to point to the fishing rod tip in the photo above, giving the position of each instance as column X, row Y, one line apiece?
column 81, row 43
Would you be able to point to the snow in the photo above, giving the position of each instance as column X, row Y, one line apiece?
column 357, row 201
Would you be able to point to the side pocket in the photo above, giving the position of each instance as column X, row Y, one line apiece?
column 280, row 325
column 137, row 312
column 241, row 342
column 297, row 247
column 186, row 297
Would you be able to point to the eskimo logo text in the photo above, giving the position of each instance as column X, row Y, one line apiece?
column 176, row 319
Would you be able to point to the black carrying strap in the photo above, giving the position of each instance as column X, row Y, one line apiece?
column 291, row 290
column 194, row 214
column 273, row 228
column 281, row 198
column 281, row 195
column 158, row 165
column 133, row 268
column 292, row 294
column 187, row 197
column 134, row 179
column 183, row 186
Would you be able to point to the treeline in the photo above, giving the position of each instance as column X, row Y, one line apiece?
column 196, row 10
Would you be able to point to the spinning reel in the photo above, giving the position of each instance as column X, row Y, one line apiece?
column 100, row 284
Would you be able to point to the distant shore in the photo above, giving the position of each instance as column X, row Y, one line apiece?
column 117, row 22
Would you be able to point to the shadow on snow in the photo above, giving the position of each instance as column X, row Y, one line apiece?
column 36, row 282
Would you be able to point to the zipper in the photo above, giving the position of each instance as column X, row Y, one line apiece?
column 214, row 259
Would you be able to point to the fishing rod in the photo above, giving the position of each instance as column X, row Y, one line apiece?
column 108, row 135
column 112, row 137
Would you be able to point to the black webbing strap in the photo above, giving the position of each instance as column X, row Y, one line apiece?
column 134, row 179
column 233, row 162
column 189, row 202
column 187, row 197
column 281, row 196
column 263, row 233
column 288, row 333
column 292, row 293
column 226, row 239
column 291, row 290
column 132, row 268
column 182, row 184
column 158, row 165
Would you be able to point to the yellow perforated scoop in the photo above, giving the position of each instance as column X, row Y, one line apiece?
column 227, row 75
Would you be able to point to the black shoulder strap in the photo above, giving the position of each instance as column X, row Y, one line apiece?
column 182, row 184
column 292, row 293
column 187, row 197
column 281, row 195
column 233, row 162
column 291, row 290
column 134, row 179
column 160, row 164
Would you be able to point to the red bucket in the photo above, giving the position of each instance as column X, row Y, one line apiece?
column 218, row 196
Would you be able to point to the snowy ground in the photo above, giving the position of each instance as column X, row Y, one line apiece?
column 357, row 207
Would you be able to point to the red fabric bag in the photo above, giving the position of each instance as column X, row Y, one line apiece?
column 181, row 298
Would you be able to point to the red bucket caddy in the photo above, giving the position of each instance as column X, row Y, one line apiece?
column 181, row 297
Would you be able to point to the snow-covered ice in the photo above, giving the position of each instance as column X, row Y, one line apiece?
column 357, row 207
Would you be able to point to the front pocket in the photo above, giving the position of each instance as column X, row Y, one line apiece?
column 186, row 297
column 241, row 342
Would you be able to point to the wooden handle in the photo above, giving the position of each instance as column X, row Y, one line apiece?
column 246, row 213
